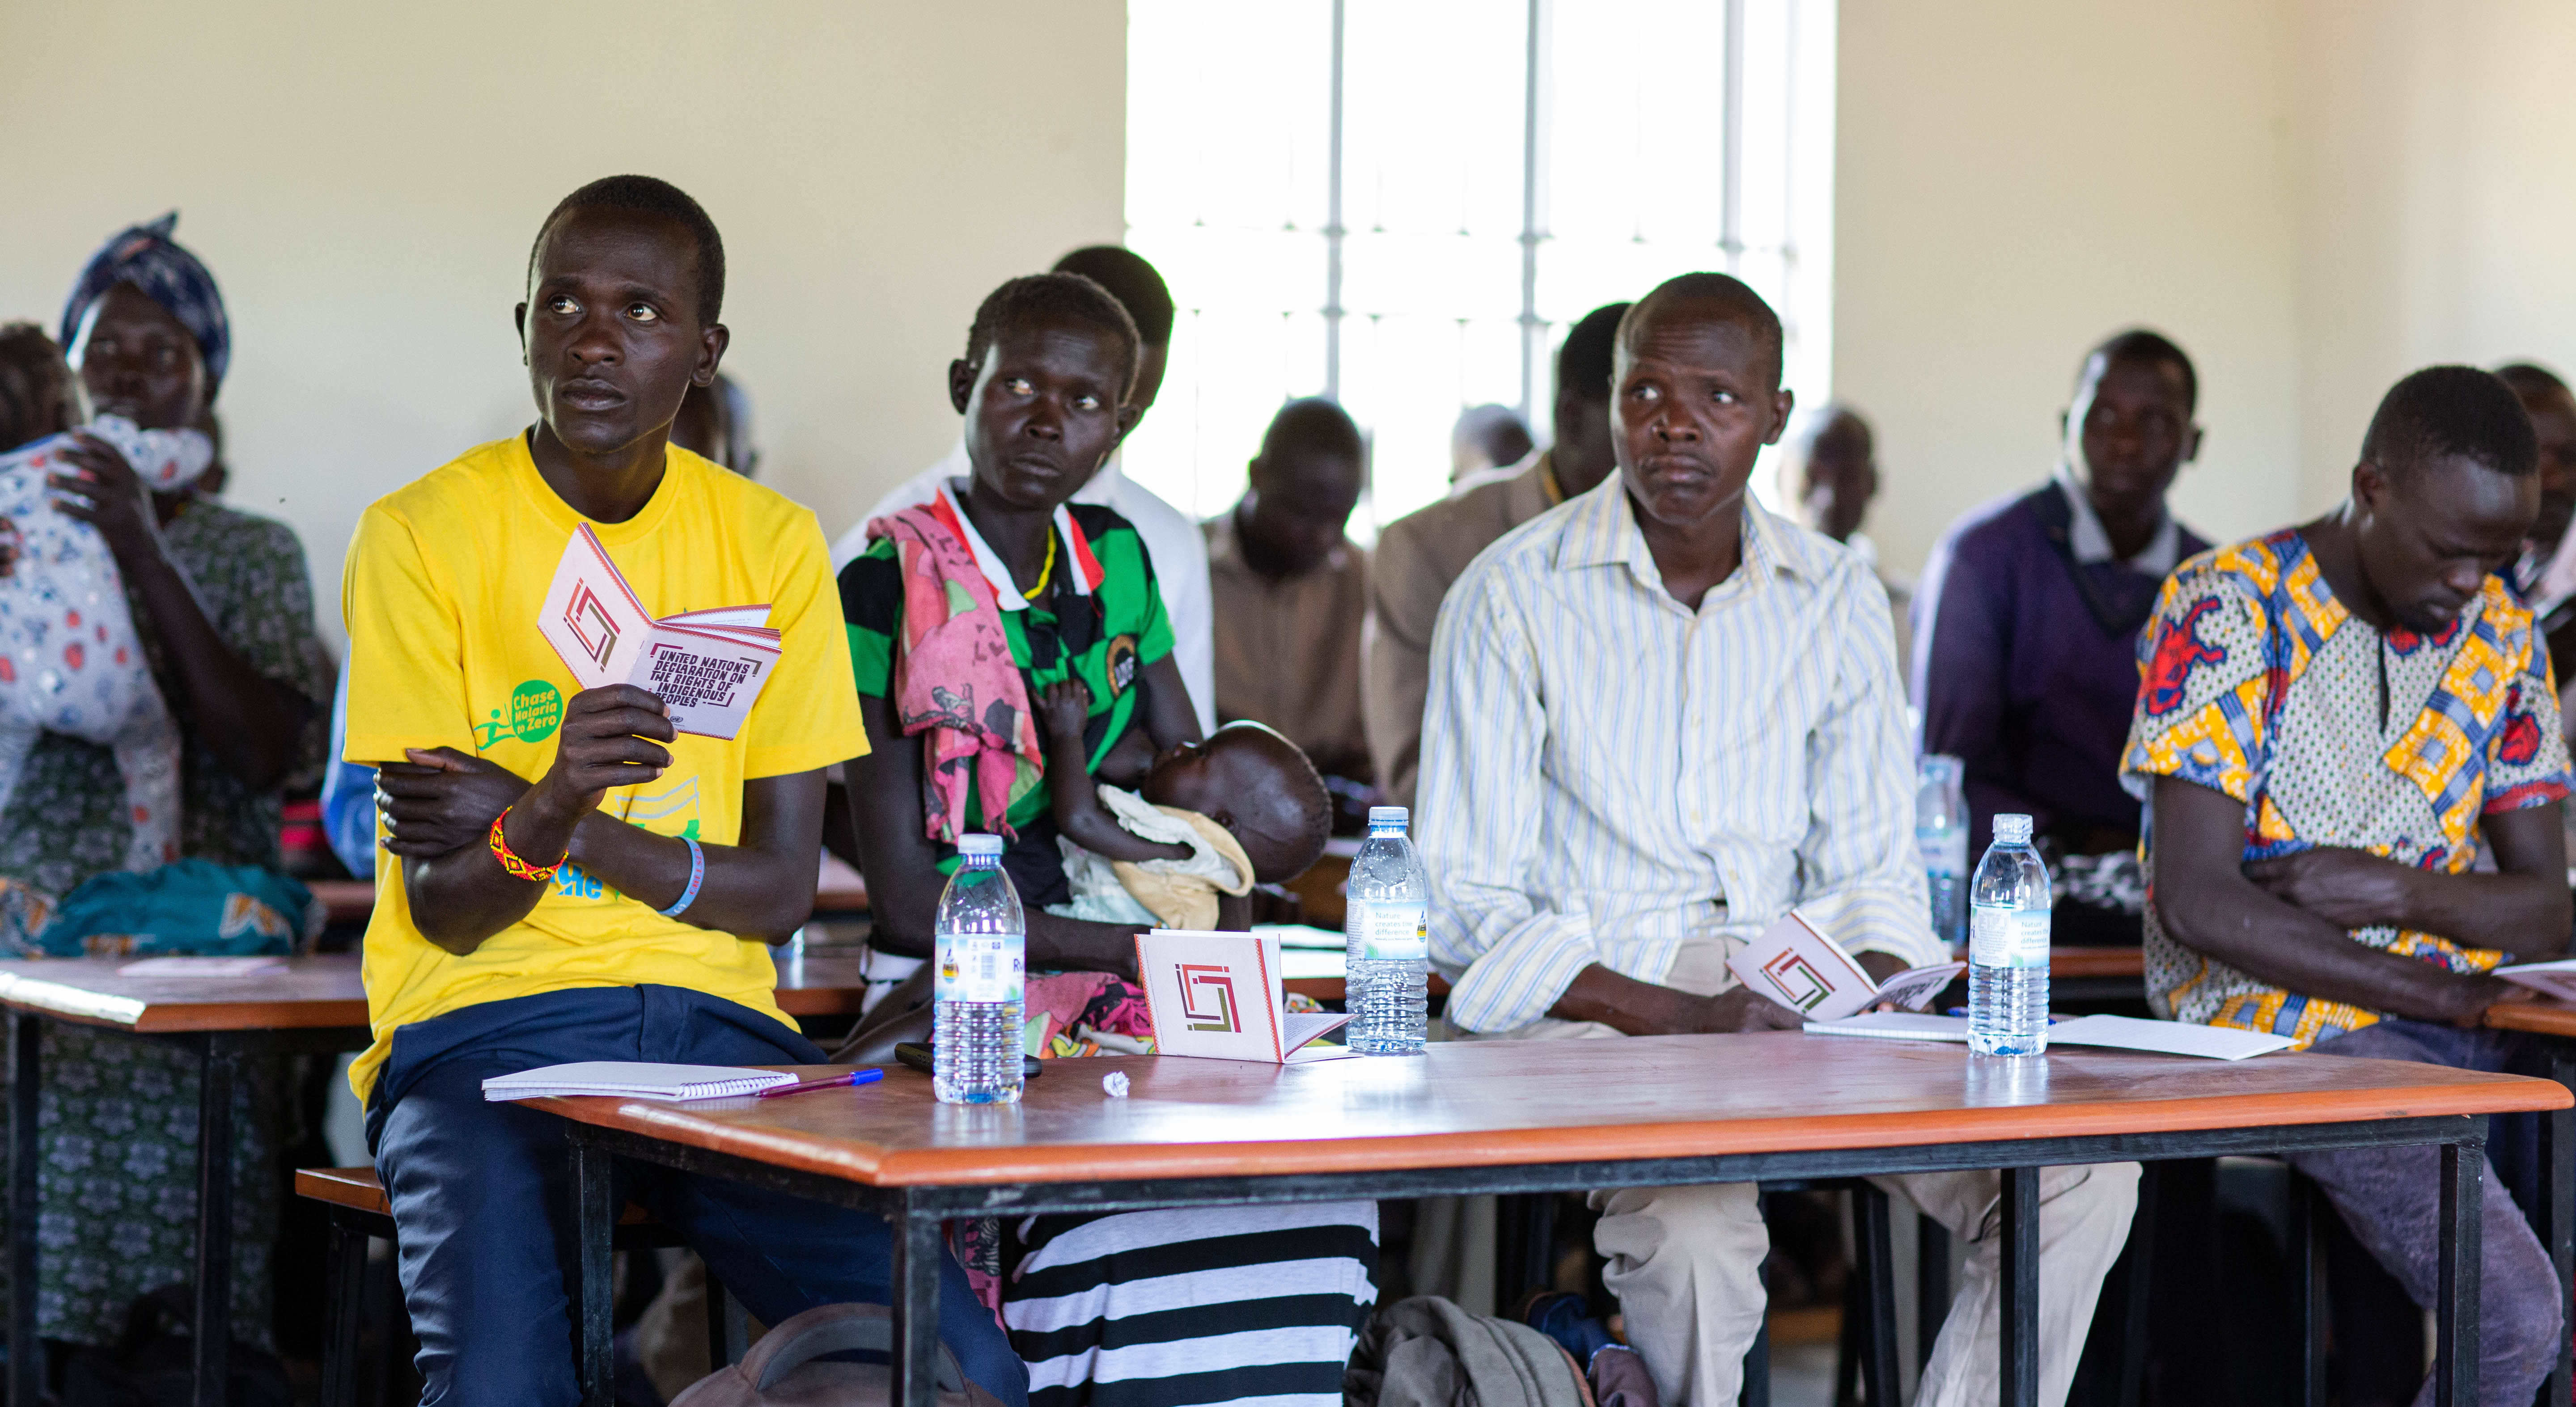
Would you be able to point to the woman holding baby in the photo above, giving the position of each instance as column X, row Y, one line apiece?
column 1066, row 621
column 222, row 608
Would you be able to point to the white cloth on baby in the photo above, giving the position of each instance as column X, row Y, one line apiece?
column 1100, row 897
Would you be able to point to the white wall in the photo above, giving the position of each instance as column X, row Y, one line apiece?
column 2017, row 179
column 2438, row 217
column 365, row 181
column 2313, row 196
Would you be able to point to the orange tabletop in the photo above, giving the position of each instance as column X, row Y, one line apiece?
column 1496, row 1103
column 2546, row 1016
column 313, row 993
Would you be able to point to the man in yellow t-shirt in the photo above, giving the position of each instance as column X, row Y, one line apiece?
column 564, row 877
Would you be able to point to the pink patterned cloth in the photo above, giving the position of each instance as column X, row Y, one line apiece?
column 954, row 680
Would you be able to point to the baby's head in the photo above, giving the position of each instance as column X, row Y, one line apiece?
column 1258, row 786
column 36, row 387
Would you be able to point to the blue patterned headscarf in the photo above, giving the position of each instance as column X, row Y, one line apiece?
column 146, row 256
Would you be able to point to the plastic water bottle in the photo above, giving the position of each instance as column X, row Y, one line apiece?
column 2008, row 946
column 1388, row 920
column 983, row 942
column 1941, row 835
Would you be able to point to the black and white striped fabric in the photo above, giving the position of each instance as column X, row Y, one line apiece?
column 1184, row 1306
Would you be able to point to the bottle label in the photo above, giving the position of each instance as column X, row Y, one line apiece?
column 1944, row 851
column 1390, row 932
column 981, row 967
column 2002, row 937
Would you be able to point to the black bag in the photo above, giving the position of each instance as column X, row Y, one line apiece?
column 153, row 1364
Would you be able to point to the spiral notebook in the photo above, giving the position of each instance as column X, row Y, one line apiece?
column 627, row 1079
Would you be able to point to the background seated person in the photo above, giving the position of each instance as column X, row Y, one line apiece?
column 1600, row 839
column 2026, row 656
column 2335, row 721
column 1489, row 442
column 1421, row 553
column 224, row 608
column 1056, row 594
column 1291, row 590
column 1831, row 474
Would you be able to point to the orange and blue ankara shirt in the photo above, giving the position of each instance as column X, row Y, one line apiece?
column 2255, row 681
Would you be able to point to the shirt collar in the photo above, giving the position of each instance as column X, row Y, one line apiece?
column 2091, row 543
column 1602, row 530
column 1083, row 568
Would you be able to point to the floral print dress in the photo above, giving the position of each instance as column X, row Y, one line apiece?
column 118, row 1115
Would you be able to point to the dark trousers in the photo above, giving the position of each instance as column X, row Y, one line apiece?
column 2391, row 1198
column 482, row 1196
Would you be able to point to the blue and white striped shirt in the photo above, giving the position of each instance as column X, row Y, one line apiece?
column 1606, row 772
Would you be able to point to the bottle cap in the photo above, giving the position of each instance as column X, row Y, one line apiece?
column 979, row 845
column 2012, row 828
column 1387, row 815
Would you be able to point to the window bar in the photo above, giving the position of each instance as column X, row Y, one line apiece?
column 1730, row 237
column 1533, row 331
column 1333, row 230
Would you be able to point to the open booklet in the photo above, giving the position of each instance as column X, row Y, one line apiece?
column 2550, row 979
column 2112, row 1032
column 706, row 666
column 1800, row 966
column 1219, row 995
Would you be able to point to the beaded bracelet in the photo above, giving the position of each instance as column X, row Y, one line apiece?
column 510, row 861
column 697, row 876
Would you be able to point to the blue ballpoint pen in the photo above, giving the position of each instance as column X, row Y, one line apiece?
column 867, row 1075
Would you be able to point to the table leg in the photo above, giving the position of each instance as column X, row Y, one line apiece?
column 2558, row 1215
column 2021, row 1287
column 26, row 1356
column 2455, row 1355
column 2142, row 1278
column 916, row 1310
column 217, row 1063
column 2307, row 1304
column 1870, row 1229
column 1931, row 1286
column 594, row 1299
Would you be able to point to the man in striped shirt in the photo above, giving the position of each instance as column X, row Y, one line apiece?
column 1660, row 717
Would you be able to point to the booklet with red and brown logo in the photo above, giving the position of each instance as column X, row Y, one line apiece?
column 706, row 666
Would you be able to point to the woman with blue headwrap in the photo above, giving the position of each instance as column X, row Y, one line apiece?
column 224, row 607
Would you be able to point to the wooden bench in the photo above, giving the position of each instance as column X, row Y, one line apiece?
column 359, row 1211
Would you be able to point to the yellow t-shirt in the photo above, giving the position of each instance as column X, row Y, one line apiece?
column 442, row 592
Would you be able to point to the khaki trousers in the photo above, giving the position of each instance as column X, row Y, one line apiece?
column 1685, row 1262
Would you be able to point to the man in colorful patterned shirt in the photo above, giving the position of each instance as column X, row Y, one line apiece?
column 2335, row 722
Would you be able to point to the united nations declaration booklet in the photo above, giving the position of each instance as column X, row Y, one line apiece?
column 707, row 666
column 1219, row 995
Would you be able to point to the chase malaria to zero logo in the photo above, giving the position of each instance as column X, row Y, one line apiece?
column 535, row 711
column 1207, row 997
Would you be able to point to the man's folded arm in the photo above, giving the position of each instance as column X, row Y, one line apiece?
column 2205, row 902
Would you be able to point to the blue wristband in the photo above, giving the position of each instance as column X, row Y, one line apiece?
column 697, row 876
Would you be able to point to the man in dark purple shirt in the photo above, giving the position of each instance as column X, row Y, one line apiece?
column 2026, row 628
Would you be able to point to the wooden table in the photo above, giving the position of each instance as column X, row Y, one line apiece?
column 315, row 1005
column 1472, row 1117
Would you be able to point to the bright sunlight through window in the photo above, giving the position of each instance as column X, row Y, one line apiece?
column 1403, row 203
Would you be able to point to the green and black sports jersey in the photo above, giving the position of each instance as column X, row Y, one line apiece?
column 1105, row 639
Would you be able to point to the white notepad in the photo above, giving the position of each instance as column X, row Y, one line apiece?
column 634, row 1080
column 2110, row 1032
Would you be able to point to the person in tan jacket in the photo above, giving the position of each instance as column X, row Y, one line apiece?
column 1420, row 554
